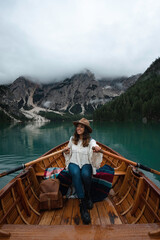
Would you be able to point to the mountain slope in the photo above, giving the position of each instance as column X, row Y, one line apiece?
column 80, row 94
column 141, row 101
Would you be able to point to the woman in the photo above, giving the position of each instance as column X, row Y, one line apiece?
column 82, row 161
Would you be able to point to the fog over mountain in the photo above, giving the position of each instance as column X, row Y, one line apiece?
column 51, row 40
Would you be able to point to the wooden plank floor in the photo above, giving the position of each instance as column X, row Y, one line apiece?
column 102, row 213
column 89, row 232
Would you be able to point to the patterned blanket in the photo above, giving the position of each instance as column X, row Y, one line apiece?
column 101, row 181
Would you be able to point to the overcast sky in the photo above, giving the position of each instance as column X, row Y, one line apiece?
column 53, row 39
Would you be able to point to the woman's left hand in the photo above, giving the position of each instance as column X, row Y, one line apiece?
column 96, row 149
column 66, row 150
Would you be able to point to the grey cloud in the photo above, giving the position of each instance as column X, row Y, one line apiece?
column 50, row 40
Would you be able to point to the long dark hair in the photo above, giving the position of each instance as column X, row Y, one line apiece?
column 85, row 140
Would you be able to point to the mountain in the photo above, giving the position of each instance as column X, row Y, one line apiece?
column 140, row 102
column 80, row 94
column 116, row 86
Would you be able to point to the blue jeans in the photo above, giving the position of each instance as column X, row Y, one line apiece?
column 81, row 178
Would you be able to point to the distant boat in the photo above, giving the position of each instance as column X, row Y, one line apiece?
column 131, row 210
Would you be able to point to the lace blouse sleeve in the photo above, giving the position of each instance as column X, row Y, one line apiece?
column 68, row 156
column 95, row 158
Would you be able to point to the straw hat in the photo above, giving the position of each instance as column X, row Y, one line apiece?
column 85, row 122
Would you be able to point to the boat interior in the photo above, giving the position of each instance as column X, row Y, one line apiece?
column 133, row 199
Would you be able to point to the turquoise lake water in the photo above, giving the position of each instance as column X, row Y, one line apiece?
column 21, row 143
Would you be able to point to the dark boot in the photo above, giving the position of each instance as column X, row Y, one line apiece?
column 89, row 202
column 84, row 212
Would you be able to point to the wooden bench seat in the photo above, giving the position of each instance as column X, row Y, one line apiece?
column 117, row 173
column 40, row 174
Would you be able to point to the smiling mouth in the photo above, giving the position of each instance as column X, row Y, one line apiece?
column 79, row 131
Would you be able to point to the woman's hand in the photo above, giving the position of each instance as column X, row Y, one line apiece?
column 96, row 149
column 66, row 150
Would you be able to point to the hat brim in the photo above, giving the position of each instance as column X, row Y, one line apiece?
column 77, row 122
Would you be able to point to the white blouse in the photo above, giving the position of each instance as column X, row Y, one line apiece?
column 83, row 155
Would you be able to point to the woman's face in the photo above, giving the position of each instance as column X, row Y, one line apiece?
column 80, row 129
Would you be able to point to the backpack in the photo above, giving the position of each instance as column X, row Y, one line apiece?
column 50, row 195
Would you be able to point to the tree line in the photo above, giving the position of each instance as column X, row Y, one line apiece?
column 140, row 101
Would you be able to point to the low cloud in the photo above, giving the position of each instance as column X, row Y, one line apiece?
column 47, row 104
column 50, row 40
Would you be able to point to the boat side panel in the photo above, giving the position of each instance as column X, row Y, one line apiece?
column 136, row 200
column 18, row 204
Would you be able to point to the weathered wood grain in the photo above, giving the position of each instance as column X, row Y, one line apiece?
column 58, row 232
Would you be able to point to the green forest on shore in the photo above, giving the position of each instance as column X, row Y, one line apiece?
column 139, row 102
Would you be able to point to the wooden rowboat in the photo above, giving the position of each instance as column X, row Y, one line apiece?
column 131, row 211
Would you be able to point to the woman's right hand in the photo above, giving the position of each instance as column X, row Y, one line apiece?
column 66, row 150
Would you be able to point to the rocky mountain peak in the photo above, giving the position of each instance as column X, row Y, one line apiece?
column 22, row 90
column 22, row 82
column 80, row 94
